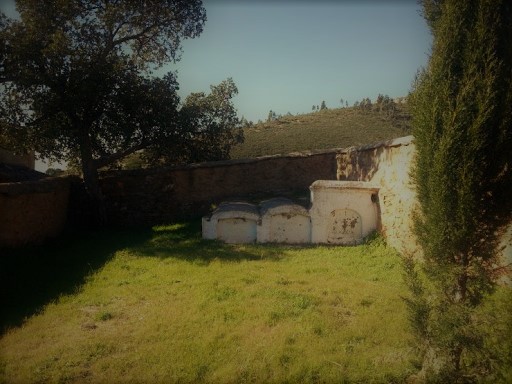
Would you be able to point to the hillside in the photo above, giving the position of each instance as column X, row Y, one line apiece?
column 329, row 128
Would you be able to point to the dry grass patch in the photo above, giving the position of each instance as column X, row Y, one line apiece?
column 331, row 128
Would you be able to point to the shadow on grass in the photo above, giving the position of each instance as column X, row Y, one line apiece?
column 34, row 276
column 184, row 242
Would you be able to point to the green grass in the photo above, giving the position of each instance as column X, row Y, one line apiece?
column 162, row 305
column 326, row 129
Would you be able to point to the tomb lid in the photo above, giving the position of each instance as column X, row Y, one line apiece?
column 236, row 209
column 343, row 184
column 281, row 205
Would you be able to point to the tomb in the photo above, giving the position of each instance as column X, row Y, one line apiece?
column 282, row 221
column 342, row 212
column 232, row 223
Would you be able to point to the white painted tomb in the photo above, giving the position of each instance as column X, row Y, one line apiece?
column 232, row 223
column 282, row 221
column 342, row 212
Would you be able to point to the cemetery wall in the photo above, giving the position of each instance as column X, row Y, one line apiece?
column 155, row 196
column 33, row 211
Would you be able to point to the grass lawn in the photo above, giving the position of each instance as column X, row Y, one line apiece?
column 162, row 305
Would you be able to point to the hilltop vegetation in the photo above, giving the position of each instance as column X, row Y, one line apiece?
column 324, row 129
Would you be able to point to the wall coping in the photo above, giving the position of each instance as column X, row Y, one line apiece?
column 398, row 142
column 345, row 185
column 406, row 140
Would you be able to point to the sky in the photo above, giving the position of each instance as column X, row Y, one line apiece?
column 287, row 56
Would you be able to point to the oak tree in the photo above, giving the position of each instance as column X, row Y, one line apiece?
column 77, row 83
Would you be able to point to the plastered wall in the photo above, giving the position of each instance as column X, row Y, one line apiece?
column 386, row 165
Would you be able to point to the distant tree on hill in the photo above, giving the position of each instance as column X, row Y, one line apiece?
column 341, row 102
column 323, row 106
column 55, row 172
column 385, row 104
column 365, row 104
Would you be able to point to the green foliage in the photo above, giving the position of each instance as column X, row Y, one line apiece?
column 75, row 76
column 462, row 114
column 77, row 85
column 213, row 128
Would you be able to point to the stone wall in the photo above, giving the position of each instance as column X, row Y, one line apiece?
column 145, row 197
column 387, row 165
column 32, row 211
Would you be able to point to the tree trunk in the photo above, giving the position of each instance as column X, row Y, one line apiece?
column 434, row 362
column 91, row 181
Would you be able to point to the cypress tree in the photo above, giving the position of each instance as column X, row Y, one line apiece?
column 462, row 115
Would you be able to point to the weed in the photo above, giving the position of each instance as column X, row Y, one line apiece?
column 104, row 316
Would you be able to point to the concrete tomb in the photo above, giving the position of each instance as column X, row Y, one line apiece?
column 232, row 223
column 283, row 222
column 342, row 212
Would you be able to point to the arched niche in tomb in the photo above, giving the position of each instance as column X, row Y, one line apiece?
column 345, row 226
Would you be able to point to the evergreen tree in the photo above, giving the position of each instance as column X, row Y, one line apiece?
column 323, row 106
column 462, row 115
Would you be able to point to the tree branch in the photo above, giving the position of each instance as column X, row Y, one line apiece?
column 135, row 36
column 106, row 160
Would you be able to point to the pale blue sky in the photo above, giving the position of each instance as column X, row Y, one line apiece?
column 287, row 55
column 290, row 55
